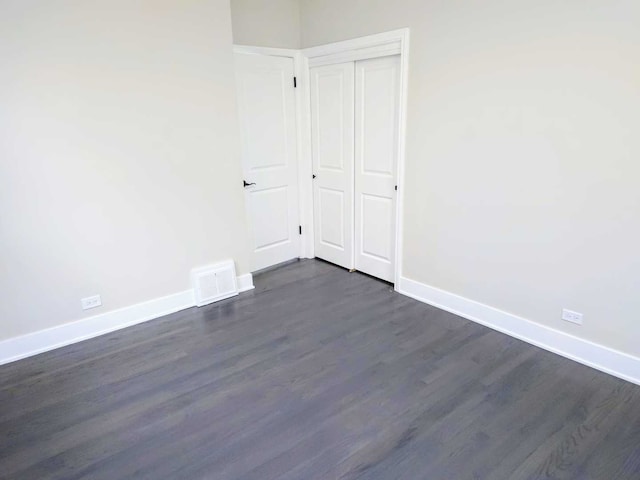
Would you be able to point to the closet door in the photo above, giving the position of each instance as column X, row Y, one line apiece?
column 376, row 121
column 332, row 106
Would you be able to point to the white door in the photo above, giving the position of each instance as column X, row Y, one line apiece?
column 266, row 102
column 376, row 146
column 332, row 106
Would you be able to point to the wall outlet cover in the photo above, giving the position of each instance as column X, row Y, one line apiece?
column 571, row 316
column 91, row 302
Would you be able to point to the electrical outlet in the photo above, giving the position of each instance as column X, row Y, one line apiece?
column 571, row 316
column 91, row 302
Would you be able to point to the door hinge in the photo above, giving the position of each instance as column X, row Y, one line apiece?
column 396, row 188
column 300, row 229
column 295, row 82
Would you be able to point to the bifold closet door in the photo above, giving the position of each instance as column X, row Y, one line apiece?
column 376, row 136
column 266, row 104
column 332, row 123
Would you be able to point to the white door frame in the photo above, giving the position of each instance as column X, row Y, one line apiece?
column 303, row 137
column 395, row 42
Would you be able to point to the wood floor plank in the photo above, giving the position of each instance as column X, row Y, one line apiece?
column 316, row 374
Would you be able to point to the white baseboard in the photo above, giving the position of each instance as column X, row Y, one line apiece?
column 245, row 282
column 588, row 353
column 41, row 341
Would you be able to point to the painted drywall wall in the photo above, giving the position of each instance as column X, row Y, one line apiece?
column 266, row 23
column 522, row 171
column 119, row 154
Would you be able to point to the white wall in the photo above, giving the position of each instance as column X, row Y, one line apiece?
column 523, row 172
column 266, row 23
column 119, row 158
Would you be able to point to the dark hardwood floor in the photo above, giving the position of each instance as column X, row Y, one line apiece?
column 316, row 374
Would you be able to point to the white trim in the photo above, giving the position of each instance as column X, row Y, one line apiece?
column 305, row 170
column 274, row 52
column 41, row 341
column 371, row 46
column 245, row 282
column 366, row 53
column 382, row 40
column 68, row 333
column 597, row 356
column 402, row 142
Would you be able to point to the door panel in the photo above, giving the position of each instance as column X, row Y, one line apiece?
column 332, row 109
column 376, row 120
column 331, row 213
column 266, row 104
column 270, row 208
column 376, row 211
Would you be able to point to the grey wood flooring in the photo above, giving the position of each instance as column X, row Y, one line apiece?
column 316, row 374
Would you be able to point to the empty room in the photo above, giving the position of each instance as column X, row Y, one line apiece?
column 320, row 239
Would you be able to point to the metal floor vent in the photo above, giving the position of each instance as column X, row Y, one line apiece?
column 214, row 282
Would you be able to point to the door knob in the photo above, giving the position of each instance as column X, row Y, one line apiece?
column 246, row 184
